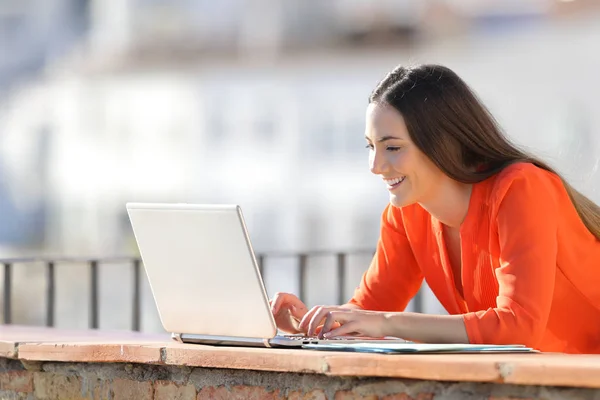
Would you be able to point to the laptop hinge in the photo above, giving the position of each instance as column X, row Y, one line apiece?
column 176, row 337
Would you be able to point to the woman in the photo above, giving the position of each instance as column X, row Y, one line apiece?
column 509, row 248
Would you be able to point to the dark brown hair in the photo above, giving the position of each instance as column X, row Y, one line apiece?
column 451, row 126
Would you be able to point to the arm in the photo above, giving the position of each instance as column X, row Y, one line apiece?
column 393, row 278
column 527, row 230
column 427, row 328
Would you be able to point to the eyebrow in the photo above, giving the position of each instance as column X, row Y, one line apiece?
column 385, row 138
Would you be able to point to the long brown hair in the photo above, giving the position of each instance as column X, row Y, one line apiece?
column 450, row 125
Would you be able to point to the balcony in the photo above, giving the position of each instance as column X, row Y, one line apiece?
column 52, row 363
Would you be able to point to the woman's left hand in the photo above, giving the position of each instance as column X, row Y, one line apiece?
column 340, row 321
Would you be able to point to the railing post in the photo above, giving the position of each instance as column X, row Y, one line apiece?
column 94, row 294
column 135, row 323
column 341, row 273
column 418, row 301
column 302, row 258
column 7, row 293
column 50, row 293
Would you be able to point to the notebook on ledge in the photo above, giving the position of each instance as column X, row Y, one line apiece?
column 408, row 347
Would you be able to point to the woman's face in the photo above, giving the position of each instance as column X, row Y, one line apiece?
column 409, row 175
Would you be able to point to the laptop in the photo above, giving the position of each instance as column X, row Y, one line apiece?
column 205, row 279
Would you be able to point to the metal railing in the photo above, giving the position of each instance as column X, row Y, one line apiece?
column 341, row 263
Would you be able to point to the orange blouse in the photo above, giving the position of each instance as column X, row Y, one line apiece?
column 530, row 267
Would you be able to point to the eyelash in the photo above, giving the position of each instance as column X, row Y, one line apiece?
column 390, row 148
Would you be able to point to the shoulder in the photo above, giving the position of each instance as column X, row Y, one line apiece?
column 522, row 170
column 399, row 218
column 525, row 182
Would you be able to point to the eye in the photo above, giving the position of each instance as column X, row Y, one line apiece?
column 369, row 146
column 393, row 148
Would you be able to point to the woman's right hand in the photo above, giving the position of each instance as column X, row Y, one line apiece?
column 288, row 310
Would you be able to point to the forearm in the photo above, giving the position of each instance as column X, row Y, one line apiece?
column 427, row 328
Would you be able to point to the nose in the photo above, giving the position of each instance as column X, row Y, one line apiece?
column 377, row 163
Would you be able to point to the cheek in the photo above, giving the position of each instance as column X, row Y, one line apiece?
column 429, row 175
column 399, row 160
column 422, row 170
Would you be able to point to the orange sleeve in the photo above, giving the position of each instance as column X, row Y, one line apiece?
column 393, row 278
column 526, row 217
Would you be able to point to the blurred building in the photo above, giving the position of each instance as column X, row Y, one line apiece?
column 259, row 103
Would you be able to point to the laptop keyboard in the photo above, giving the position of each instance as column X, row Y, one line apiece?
column 296, row 337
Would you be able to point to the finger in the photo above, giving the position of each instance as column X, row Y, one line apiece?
column 332, row 318
column 320, row 327
column 294, row 322
column 317, row 320
column 307, row 317
column 287, row 300
column 314, row 321
column 273, row 303
column 277, row 302
column 298, row 311
column 350, row 328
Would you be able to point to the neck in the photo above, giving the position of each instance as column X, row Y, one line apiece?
column 450, row 203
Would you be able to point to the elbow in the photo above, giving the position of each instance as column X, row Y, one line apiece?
column 529, row 335
column 502, row 327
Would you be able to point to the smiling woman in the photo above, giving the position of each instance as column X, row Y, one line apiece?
column 508, row 247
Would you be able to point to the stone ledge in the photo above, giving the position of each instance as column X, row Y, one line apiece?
column 124, row 381
column 31, row 345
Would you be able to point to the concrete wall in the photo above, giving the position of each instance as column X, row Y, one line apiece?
column 115, row 381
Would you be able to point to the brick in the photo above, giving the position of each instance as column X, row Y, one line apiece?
column 165, row 390
column 350, row 395
column 55, row 386
column 312, row 395
column 11, row 395
column 17, row 381
column 404, row 396
column 213, row 393
column 513, row 398
column 95, row 388
column 238, row 393
column 125, row 389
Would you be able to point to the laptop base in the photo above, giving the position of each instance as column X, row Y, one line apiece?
column 285, row 341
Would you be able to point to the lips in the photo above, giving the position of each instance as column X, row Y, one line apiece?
column 394, row 181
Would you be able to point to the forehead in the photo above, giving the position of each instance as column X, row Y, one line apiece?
column 385, row 120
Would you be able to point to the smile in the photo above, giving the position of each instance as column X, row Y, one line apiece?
column 394, row 183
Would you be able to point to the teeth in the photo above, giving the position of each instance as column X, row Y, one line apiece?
column 394, row 181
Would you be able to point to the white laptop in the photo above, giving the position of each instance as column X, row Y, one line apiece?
column 204, row 276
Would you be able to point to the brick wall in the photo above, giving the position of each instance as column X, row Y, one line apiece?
column 117, row 381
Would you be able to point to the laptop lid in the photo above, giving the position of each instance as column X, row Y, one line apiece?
column 202, row 270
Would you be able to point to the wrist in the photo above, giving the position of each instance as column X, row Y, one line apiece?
column 392, row 324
